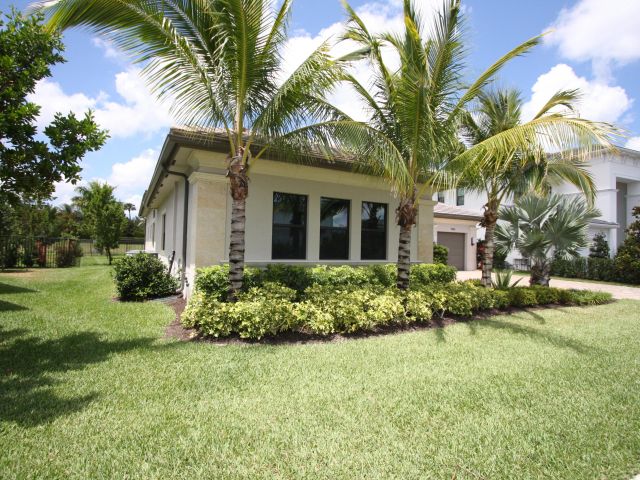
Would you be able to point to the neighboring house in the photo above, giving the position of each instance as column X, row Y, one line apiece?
column 317, row 213
column 617, row 178
column 456, row 228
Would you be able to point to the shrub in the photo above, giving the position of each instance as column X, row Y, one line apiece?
column 546, row 295
column 603, row 269
column 428, row 273
column 142, row 276
column 9, row 255
column 256, row 319
column 65, row 256
column 600, row 247
column 503, row 279
column 501, row 299
column 341, row 276
column 585, row 297
column 419, row 307
column 313, row 318
column 523, row 297
column 295, row 277
column 440, row 254
column 269, row 291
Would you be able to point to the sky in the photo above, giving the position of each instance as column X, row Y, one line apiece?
column 592, row 45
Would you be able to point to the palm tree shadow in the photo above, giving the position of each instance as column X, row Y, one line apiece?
column 30, row 368
column 534, row 334
column 11, row 307
column 7, row 288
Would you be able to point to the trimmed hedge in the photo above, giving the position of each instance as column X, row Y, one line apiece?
column 213, row 281
column 142, row 276
column 601, row 269
column 325, row 309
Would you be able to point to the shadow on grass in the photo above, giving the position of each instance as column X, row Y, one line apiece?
column 532, row 334
column 29, row 367
column 11, row 307
column 7, row 288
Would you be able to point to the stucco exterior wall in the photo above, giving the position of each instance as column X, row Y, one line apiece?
column 209, row 216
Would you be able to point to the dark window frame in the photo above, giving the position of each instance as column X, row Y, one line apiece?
column 440, row 197
column 347, row 228
column 164, row 231
column 304, row 228
column 386, row 231
column 460, row 197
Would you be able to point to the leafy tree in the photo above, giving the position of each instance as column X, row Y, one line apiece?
column 627, row 260
column 525, row 166
column 103, row 213
column 599, row 247
column 419, row 108
column 544, row 227
column 29, row 167
column 219, row 62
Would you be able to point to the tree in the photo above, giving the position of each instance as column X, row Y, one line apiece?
column 527, row 166
column 29, row 167
column 129, row 207
column 544, row 227
column 599, row 247
column 627, row 260
column 418, row 108
column 103, row 213
column 219, row 63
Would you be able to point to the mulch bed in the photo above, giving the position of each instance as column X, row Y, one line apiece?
column 175, row 330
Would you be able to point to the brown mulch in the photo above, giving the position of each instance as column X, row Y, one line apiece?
column 175, row 330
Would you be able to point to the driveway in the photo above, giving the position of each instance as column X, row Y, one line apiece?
column 618, row 291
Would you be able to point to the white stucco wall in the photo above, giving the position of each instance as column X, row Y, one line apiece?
column 210, row 213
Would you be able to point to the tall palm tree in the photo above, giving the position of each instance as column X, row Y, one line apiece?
column 418, row 108
column 219, row 63
column 129, row 207
column 542, row 227
column 512, row 173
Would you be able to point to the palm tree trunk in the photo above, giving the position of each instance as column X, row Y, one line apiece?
column 489, row 222
column 540, row 273
column 406, row 216
column 239, row 180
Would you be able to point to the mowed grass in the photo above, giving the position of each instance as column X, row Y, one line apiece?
column 90, row 389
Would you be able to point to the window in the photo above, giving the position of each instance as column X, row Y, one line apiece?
column 459, row 196
column 164, row 230
column 289, row 232
column 334, row 229
column 373, row 245
column 441, row 197
column 153, row 234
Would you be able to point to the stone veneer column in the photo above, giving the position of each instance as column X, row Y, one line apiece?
column 207, row 230
column 425, row 230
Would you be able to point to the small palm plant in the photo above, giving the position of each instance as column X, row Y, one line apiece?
column 542, row 227
column 503, row 281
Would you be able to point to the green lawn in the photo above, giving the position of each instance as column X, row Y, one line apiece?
column 89, row 389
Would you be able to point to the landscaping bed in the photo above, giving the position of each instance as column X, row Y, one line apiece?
column 324, row 301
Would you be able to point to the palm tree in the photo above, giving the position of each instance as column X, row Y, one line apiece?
column 418, row 109
column 219, row 63
column 519, row 170
column 543, row 227
column 129, row 207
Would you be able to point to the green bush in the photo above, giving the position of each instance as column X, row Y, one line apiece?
column 429, row 273
column 523, row 297
column 440, row 254
column 501, row 299
column 591, row 268
column 142, row 276
column 584, row 297
column 65, row 256
column 546, row 295
column 9, row 255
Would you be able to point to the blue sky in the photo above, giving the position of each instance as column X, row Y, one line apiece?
column 595, row 46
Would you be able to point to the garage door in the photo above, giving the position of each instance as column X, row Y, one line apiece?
column 455, row 243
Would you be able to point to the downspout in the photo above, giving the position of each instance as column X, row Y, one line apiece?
column 185, row 219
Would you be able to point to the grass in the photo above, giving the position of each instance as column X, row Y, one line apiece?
column 89, row 389
column 581, row 280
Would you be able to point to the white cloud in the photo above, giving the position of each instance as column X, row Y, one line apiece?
column 633, row 143
column 136, row 112
column 600, row 102
column 600, row 31
column 108, row 48
column 133, row 176
column 64, row 192
column 381, row 16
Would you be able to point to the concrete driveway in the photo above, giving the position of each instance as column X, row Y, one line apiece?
column 618, row 291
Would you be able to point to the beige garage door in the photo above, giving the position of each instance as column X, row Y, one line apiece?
column 455, row 243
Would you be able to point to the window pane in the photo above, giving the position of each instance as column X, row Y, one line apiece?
column 334, row 229
column 460, row 196
column 373, row 244
column 289, row 232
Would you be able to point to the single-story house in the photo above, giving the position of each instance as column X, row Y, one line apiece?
column 317, row 213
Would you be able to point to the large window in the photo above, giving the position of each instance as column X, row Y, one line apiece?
column 289, row 234
column 164, row 231
column 373, row 244
column 334, row 229
column 441, row 197
column 460, row 196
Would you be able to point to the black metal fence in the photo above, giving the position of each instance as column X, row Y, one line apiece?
column 27, row 252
